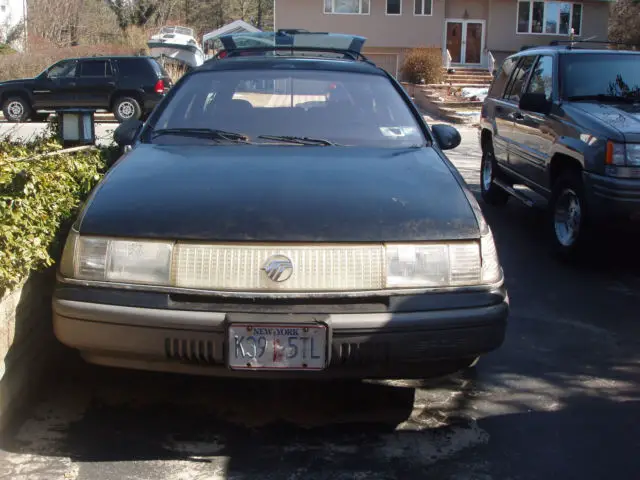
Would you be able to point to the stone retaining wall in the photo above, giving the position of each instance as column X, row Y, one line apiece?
column 28, row 347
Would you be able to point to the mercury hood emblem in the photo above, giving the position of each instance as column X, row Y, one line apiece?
column 278, row 268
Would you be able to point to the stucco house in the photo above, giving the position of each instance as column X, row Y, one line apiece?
column 471, row 33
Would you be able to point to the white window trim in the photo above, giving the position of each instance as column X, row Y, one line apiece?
column 424, row 2
column 386, row 9
column 531, row 2
column 332, row 12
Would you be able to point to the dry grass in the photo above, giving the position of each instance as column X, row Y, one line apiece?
column 27, row 65
column 423, row 64
column 175, row 71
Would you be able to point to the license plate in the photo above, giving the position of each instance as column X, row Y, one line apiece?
column 277, row 347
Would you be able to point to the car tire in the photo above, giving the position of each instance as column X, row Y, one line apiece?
column 16, row 110
column 126, row 108
column 491, row 193
column 568, row 217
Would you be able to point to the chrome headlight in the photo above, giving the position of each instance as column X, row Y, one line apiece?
column 117, row 260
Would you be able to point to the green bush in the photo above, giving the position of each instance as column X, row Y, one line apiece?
column 423, row 64
column 39, row 197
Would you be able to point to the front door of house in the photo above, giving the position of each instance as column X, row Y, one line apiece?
column 465, row 41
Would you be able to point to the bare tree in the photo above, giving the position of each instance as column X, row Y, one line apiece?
column 624, row 25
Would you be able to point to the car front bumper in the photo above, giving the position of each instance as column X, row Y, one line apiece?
column 613, row 197
column 408, row 344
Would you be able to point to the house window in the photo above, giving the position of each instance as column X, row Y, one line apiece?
column 394, row 7
column 352, row 7
column 422, row 7
column 550, row 18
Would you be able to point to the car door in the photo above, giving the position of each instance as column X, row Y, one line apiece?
column 533, row 132
column 511, row 109
column 96, row 82
column 502, row 109
column 55, row 87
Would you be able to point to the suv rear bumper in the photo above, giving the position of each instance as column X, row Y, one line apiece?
column 611, row 196
column 362, row 345
column 151, row 100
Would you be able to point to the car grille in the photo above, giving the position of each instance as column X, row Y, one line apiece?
column 315, row 268
column 191, row 350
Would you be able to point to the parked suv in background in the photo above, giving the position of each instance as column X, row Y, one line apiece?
column 563, row 122
column 129, row 87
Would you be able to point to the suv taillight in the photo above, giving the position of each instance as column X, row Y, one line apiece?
column 159, row 88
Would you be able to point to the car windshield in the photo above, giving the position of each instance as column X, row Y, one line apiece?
column 606, row 75
column 325, row 108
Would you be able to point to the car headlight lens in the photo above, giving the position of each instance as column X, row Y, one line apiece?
column 115, row 260
column 433, row 265
column 491, row 270
column 633, row 154
column 623, row 154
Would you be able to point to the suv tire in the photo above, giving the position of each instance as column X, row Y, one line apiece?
column 568, row 219
column 491, row 193
column 126, row 108
column 16, row 110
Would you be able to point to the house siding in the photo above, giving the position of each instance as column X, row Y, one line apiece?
column 475, row 9
column 501, row 27
column 391, row 34
column 381, row 30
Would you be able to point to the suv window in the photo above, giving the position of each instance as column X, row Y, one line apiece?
column 161, row 72
column 64, row 69
column 519, row 77
column 95, row 68
column 502, row 77
column 542, row 77
column 129, row 67
column 592, row 74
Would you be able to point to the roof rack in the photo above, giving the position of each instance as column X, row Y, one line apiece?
column 352, row 54
column 292, row 40
column 570, row 44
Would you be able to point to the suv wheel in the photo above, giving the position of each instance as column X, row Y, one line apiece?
column 568, row 215
column 126, row 108
column 16, row 109
column 491, row 193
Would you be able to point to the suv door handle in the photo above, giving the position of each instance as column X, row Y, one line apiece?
column 517, row 116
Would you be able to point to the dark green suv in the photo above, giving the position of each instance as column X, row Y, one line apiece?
column 562, row 124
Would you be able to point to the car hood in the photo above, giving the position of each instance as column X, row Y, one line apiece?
column 281, row 193
column 625, row 118
column 15, row 82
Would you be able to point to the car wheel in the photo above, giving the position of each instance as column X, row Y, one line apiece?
column 16, row 109
column 126, row 108
column 568, row 215
column 491, row 193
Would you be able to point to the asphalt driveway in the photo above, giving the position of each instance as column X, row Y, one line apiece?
column 561, row 399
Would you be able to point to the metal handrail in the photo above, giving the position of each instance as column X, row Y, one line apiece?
column 447, row 60
column 492, row 62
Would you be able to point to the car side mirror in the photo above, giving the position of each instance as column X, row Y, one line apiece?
column 447, row 136
column 126, row 133
column 535, row 102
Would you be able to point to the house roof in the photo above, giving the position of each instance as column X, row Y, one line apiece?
column 233, row 27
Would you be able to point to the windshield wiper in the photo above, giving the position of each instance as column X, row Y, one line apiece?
column 210, row 133
column 299, row 140
column 601, row 97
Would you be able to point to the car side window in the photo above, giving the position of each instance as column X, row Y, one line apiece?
column 502, row 77
column 542, row 77
column 519, row 77
column 64, row 69
column 94, row 68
